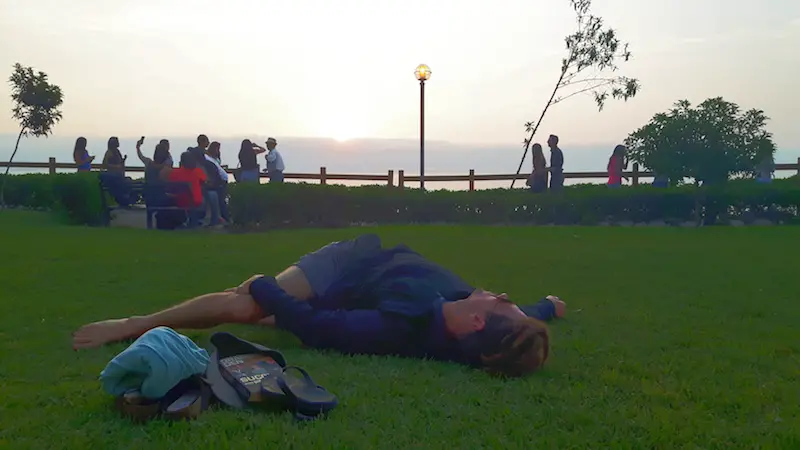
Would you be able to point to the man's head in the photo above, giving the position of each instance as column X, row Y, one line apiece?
column 188, row 161
column 202, row 141
column 496, row 335
column 198, row 153
column 552, row 141
column 271, row 143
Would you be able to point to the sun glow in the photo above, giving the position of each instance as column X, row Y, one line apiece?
column 344, row 127
column 342, row 115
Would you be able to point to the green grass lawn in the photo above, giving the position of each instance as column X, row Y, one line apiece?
column 675, row 338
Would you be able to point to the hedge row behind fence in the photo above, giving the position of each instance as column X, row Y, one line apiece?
column 260, row 206
column 75, row 196
column 255, row 206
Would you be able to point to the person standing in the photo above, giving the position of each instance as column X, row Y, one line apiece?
column 248, row 165
column 617, row 163
column 556, row 164
column 81, row 155
column 537, row 181
column 275, row 166
column 202, row 143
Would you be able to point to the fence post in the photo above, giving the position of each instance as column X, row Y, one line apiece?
column 798, row 166
column 401, row 179
column 52, row 165
column 635, row 176
column 390, row 178
column 323, row 175
column 471, row 179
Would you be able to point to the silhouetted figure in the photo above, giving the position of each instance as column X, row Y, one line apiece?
column 248, row 165
column 274, row 159
column 616, row 165
column 537, row 181
column 556, row 164
column 113, row 161
column 81, row 156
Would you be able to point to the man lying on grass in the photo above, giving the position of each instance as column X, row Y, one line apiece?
column 358, row 298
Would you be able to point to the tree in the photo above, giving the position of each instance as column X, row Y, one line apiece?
column 592, row 50
column 709, row 143
column 37, row 104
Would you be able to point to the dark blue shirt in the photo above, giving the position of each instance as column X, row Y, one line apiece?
column 556, row 160
column 397, row 300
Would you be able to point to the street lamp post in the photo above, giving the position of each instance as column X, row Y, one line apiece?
column 423, row 74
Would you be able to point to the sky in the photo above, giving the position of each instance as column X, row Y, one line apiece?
column 344, row 69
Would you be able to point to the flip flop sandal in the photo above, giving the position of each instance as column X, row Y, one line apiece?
column 237, row 368
column 187, row 400
column 136, row 407
column 303, row 396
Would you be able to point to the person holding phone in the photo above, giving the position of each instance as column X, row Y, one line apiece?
column 154, row 169
column 113, row 161
column 113, row 176
column 81, row 155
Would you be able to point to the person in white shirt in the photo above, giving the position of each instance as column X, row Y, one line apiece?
column 213, row 155
column 275, row 165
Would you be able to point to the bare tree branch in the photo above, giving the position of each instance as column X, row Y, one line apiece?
column 591, row 46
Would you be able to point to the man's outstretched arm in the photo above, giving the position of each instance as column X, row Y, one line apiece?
column 347, row 331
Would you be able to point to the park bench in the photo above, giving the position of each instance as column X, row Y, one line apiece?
column 152, row 196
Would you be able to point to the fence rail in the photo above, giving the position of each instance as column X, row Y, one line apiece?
column 323, row 176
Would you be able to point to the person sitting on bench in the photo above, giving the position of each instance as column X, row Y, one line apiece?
column 190, row 200
column 357, row 297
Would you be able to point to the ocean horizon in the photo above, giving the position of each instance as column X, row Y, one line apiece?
column 355, row 156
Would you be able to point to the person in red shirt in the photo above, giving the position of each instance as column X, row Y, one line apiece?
column 188, row 172
column 616, row 164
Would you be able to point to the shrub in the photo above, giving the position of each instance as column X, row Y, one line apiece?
column 257, row 206
column 75, row 196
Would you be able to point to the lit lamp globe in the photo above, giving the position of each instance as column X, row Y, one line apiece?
column 423, row 72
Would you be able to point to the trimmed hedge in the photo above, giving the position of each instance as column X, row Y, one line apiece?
column 75, row 196
column 265, row 206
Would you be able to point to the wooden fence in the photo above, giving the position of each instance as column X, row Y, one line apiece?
column 324, row 177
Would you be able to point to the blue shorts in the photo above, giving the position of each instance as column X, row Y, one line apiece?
column 250, row 175
column 333, row 262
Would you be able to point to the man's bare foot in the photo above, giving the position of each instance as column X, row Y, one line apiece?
column 101, row 333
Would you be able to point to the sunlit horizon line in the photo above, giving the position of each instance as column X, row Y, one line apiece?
column 341, row 140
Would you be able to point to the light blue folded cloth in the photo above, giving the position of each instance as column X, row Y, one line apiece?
column 154, row 364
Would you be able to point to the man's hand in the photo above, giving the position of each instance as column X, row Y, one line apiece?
column 244, row 288
column 561, row 307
